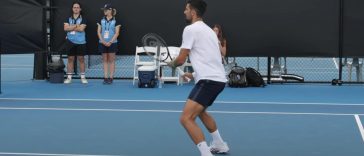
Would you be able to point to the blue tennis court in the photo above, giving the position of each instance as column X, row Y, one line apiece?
column 112, row 78
column 39, row 118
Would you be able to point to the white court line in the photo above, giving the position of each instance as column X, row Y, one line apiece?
column 177, row 101
column 174, row 111
column 360, row 125
column 17, row 65
column 48, row 154
column 296, row 68
column 17, row 68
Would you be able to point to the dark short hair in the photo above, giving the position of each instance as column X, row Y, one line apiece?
column 199, row 6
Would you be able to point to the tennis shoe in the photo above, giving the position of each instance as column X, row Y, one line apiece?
column 110, row 81
column 67, row 81
column 207, row 155
column 84, row 81
column 219, row 148
column 106, row 81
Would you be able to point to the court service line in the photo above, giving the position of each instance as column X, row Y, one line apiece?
column 7, row 68
column 360, row 125
column 177, row 101
column 17, row 65
column 175, row 111
column 32, row 54
column 49, row 154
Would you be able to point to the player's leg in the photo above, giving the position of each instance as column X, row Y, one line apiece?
column 188, row 119
column 208, row 121
column 190, row 112
column 217, row 145
column 210, row 91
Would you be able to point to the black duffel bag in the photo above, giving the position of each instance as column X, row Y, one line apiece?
column 254, row 78
column 237, row 77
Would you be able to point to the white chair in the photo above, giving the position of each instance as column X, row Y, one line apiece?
column 228, row 65
column 186, row 66
column 139, row 62
column 359, row 67
column 279, row 65
column 174, row 52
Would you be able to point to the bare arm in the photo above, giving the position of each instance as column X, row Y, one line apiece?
column 180, row 59
column 223, row 49
column 67, row 27
column 99, row 34
column 116, row 35
column 80, row 28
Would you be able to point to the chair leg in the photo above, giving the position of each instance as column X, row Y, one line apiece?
column 134, row 75
column 173, row 72
column 276, row 64
column 359, row 73
column 349, row 68
column 180, row 79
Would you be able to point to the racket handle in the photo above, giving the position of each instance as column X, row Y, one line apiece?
column 181, row 73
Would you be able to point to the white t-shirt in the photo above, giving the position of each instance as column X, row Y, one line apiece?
column 205, row 54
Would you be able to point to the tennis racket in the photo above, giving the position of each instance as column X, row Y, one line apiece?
column 155, row 47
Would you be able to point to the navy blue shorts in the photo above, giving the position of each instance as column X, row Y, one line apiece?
column 206, row 91
column 112, row 49
column 78, row 50
column 75, row 49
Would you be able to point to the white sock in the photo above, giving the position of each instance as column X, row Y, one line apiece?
column 204, row 149
column 83, row 76
column 69, row 76
column 216, row 137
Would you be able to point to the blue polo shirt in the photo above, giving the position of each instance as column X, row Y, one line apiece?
column 108, row 25
column 76, row 37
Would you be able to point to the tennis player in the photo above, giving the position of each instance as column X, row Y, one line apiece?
column 201, row 44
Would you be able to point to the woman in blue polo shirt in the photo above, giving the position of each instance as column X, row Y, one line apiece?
column 75, row 27
column 108, row 32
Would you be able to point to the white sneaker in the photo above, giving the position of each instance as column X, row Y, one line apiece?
column 67, row 81
column 219, row 148
column 84, row 81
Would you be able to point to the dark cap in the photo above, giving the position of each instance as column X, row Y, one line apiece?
column 107, row 6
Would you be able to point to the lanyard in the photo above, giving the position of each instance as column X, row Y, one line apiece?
column 74, row 21
column 108, row 23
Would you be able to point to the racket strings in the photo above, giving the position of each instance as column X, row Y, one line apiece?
column 153, row 40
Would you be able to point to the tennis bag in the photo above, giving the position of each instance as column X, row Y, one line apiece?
column 254, row 78
column 56, row 66
column 56, row 71
column 237, row 77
